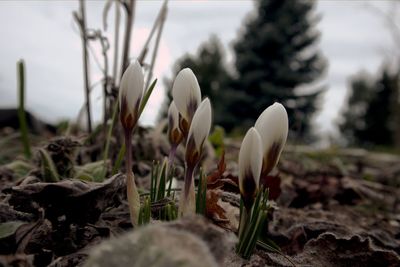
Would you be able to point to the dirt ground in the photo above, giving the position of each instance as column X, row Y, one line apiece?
column 332, row 208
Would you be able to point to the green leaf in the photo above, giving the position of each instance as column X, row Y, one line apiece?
column 19, row 167
column 147, row 96
column 253, row 225
column 108, row 139
column 23, row 126
column 162, row 181
column 216, row 138
column 47, row 167
column 269, row 245
column 118, row 162
column 93, row 171
column 8, row 228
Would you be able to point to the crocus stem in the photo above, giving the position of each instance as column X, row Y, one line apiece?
column 170, row 170
column 187, row 202
column 171, row 156
column 243, row 221
column 131, row 190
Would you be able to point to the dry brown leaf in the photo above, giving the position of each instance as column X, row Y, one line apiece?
column 213, row 210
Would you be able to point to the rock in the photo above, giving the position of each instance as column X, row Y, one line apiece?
column 330, row 250
column 188, row 242
column 219, row 242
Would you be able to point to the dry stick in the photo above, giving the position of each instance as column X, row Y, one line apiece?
column 82, row 26
column 105, row 46
column 130, row 12
column 163, row 15
column 114, row 80
column 143, row 53
column 116, row 42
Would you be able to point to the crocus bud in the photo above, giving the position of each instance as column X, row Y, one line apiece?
column 130, row 95
column 174, row 133
column 250, row 162
column 199, row 130
column 273, row 125
column 198, row 133
column 187, row 97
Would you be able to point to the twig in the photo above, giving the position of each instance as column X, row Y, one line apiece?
column 143, row 53
column 130, row 12
column 81, row 20
column 105, row 46
column 163, row 15
column 116, row 41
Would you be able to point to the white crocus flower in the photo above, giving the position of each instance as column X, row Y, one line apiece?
column 250, row 162
column 130, row 95
column 273, row 125
column 174, row 133
column 198, row 133
column 187, row 97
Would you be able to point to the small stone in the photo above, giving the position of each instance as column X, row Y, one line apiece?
column 191, row 242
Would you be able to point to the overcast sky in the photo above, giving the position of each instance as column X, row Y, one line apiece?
column 44, row 34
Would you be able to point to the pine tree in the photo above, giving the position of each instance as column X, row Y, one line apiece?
column 275, row 55
column 352, row 124
column 370, row 117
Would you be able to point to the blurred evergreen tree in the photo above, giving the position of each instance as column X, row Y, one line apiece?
column 275, row 55
column 353, row 123
column 371, row 110
column 210, row 69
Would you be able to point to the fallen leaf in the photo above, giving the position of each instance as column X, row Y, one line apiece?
column 213, row 210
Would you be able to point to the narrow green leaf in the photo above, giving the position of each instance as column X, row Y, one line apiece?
column 23, row 126
column 268, row 244
column 108, row 138
column 161, row 181
column 152, row 181
column 147, row 210
column 48, row 169
column 118, row 162
column 8, row 228
column 146, row 96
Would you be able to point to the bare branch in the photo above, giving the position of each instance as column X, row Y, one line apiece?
column 130, row 12
column 81, row 20
column 143, row 53
column 163, row 15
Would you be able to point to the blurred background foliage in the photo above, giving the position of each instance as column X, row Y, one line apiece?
column 371, row 116
column 275, row 60
column 276, row 56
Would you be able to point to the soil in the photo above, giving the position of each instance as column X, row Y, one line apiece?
column 332, row 208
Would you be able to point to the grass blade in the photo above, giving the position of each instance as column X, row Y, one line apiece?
column 48, row 169
column 23, row 126
column 146, row 97
column 118, row 162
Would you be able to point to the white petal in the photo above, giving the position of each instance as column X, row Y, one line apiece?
column 131, row 87
column 173, row 115
column 273, row 125
column 250, row 157
column 186, row 91
column 201, row 124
